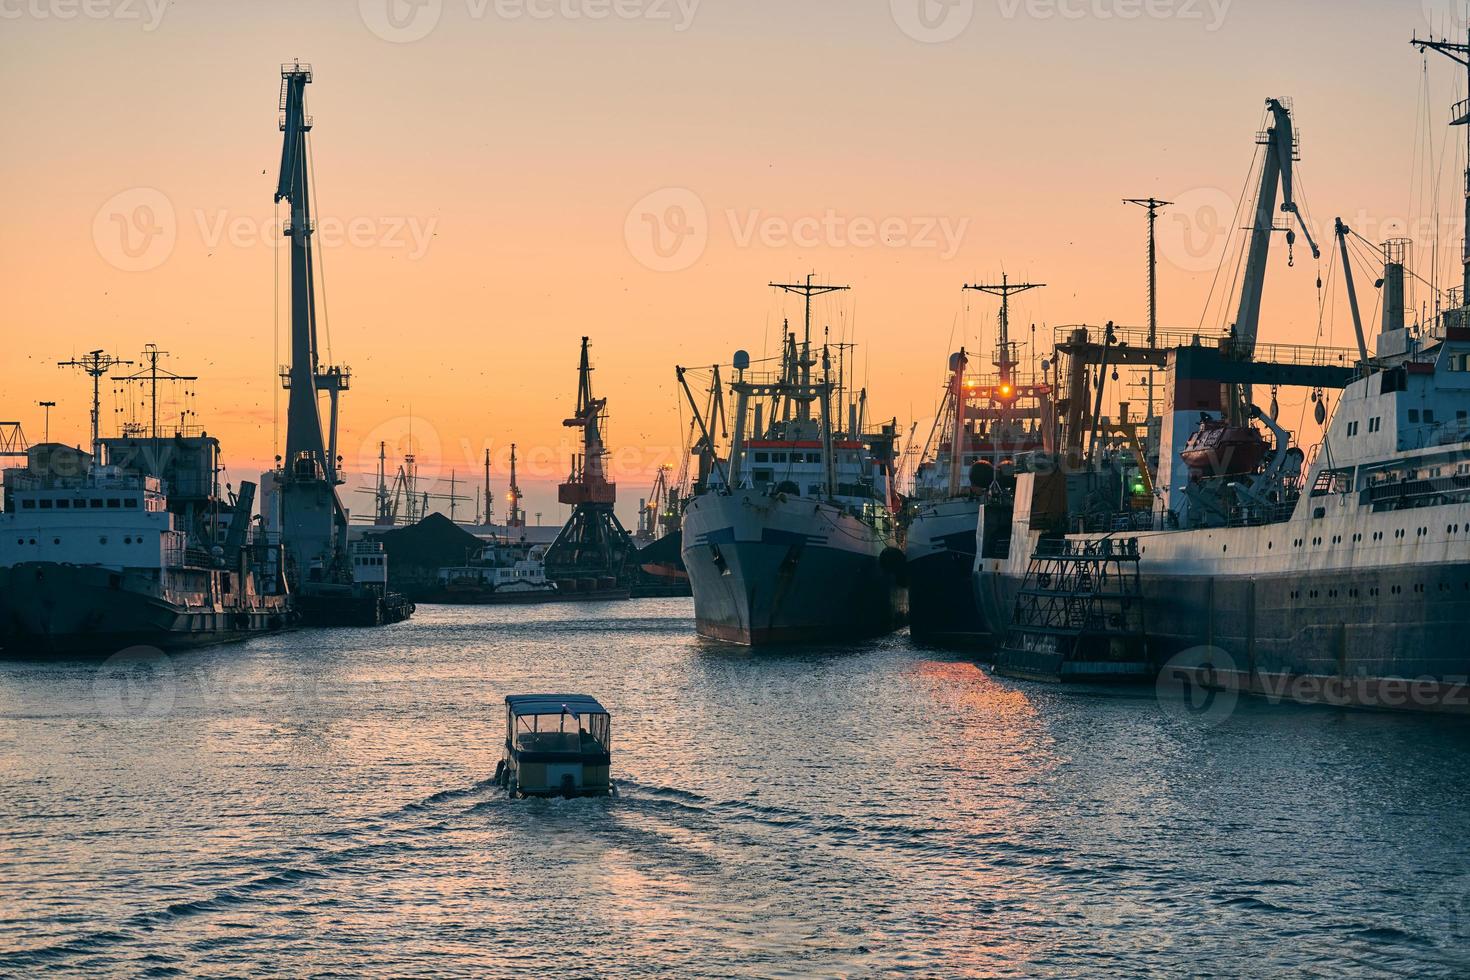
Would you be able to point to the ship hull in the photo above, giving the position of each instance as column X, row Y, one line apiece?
column 351, row 606
column 776, row 569
column 1320, row 636
column 940, row 553
column 49, row 610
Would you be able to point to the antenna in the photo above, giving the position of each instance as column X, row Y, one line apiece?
column 48, row 406
column 1153, row 206
column 1459, row 116
column 1005, row 356
column 152, row 374
column 96, row 364
column 807, row 290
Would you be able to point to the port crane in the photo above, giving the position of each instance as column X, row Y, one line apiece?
column 592, row 545
column 513, row 496
column 313, row 520
column 332, row 583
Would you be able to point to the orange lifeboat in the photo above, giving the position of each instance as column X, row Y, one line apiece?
column 1218, row 448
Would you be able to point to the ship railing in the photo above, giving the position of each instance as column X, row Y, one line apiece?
column 1309, row 355
column 1436, row 434
column 19, row 479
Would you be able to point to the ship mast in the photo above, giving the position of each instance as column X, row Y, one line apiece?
column 96, row 364
column 151, row 375
column 1005, row 353
column 1459, row 116
column 1004, row 349
column 1153, row 206
column 807, row 289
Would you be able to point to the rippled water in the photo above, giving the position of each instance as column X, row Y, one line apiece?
column 320, row 803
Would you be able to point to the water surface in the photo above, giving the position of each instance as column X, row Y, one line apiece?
column 319, row 803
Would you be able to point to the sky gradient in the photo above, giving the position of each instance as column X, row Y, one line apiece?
column 497, row 179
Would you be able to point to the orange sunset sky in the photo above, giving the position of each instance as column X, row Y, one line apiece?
column 496, row 178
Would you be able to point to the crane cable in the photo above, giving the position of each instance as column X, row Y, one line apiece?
column 319, row 254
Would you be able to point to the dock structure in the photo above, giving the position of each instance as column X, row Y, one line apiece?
column 1079, row 615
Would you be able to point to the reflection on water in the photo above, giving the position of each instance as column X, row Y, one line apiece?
column 320, row 802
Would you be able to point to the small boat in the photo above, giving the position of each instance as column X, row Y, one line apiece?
column 556, row 745
column 499, row 574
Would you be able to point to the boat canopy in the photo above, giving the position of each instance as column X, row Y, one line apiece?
column 553, row 704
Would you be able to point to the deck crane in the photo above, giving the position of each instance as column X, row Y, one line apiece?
column 1282, row 151
column 1341, row 231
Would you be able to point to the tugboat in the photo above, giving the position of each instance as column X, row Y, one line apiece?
column 795, row 538
column 95, row 558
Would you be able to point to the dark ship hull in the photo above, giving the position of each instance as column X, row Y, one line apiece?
column 768, row 571
column 49, row 609
column 1318, row 637
column 940, row 550
column 351, row 606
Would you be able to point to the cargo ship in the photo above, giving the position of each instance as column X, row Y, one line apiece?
column 139, row 550
column 1339, row 574
column 794, row 537
column 998, row 422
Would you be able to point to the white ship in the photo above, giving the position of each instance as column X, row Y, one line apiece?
column 794, row 537
column 1339, row 574
column 96, row 558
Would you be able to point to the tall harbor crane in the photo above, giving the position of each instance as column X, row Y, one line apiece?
column 313, row 521
column 592, row 546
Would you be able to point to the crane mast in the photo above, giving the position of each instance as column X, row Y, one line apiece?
column 314, row 523
column 1276, row 171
